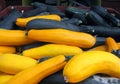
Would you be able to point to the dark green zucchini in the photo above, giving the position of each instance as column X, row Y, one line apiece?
column 55, row 10
column 81, row 17
column 9, row 21
column 32, row 45
column 94, row 19
column 100, row 41
column 34, row 12
column 50, row 24
column 79, row 13
column 101, row 31
column 50, row 9
column 74, row 21
column 44, row 13
column 38, row 4
column 70, row 11
column 109, row 17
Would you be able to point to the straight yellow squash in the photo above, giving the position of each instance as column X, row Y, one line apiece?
column 13, row 38
column 63, row 36
column 7, row 49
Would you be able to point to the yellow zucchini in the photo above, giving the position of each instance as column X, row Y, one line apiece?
column 13, row 38
column 23, row 21
column 111, row 44
column 7, row 49
column 82, row 66
column 103, row 47
column 63, row 36
column 4, row 78
column 36, row 73
column 52, row 50
column 13, row 63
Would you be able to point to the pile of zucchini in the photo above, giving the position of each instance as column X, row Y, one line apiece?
column 47, row 33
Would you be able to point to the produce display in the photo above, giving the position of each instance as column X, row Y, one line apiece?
column 59, row 45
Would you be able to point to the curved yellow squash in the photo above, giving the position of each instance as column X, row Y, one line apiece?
column 103, row 47
column 52, row 50
column 82, row 66
column 23, row 21
column 13, row 63
column 4, row 78
column 36, row 73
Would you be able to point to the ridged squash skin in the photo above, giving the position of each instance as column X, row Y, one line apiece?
column 23, row 21
column 13, row 63
column 7, row 49
column 13, row 38
column 82, row 66
column 4, row 78
column 52, row 50
column 63, row 36
column 36, row 73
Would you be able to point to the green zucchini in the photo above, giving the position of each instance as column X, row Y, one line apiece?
column 34, row 12
column 109, row 17
column 50, row 9
column 94, row 19
column 50, row 24
column 101, row 31
column 76, row 13
column 8, row 21
column 74, row 21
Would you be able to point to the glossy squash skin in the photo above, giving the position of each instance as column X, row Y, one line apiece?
column 36, row 73
column 63, row 36
column 5, row 77
column 7, row 49
column 23, row 21
column 13, row 63
column 13, row 38
column 90, row 63
column 52, row 50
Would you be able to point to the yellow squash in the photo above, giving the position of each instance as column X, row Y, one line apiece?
column 7, row 49
column 13, row 38
column 82, row 66
column 36, row 73
column 103, row 47
column 111, row 44
column 13, row 63
column 4, row 78
column 23, row 21
column 52, row 50
column 63, row 36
